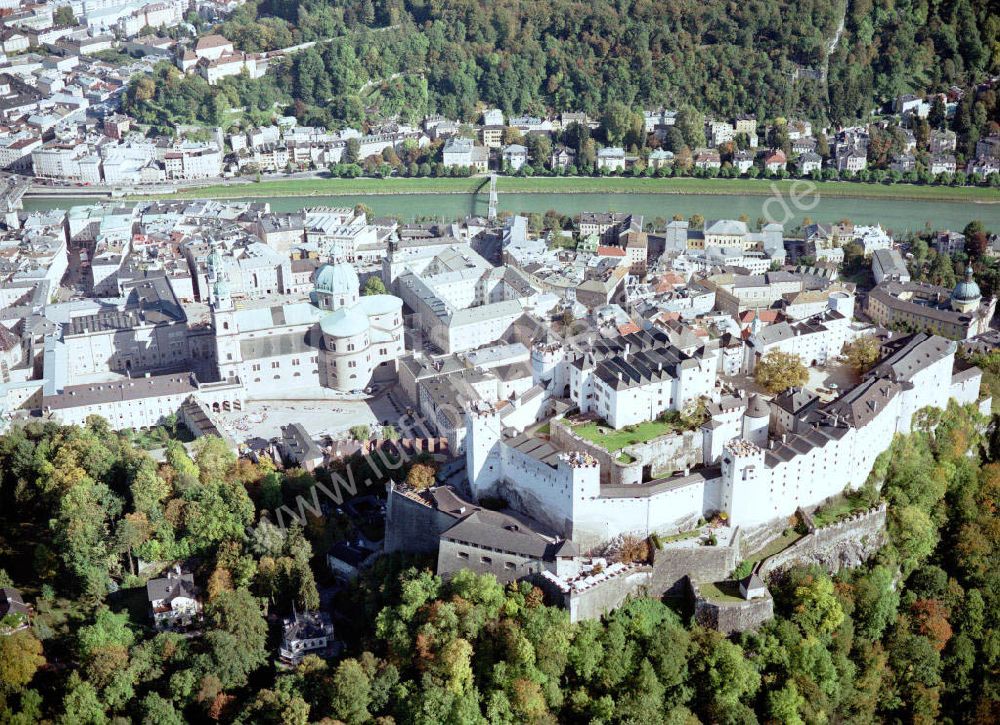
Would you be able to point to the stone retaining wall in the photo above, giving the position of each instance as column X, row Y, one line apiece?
column 671, row 453
column 729, row 617
column 846, row 543
column 755, row 538
column 671, row 566
column 604, row 597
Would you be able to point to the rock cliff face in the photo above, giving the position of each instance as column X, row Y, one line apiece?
column 847, row 553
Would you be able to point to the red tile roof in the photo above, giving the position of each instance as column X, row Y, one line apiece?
column 766, row 316
column 628, row 329
column 610, row 252
column 668, row 282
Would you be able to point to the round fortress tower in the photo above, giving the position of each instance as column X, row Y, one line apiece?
column 545, row 356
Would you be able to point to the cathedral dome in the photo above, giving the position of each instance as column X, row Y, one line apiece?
column 967, row 290
column 338, row 280
column 345, row 322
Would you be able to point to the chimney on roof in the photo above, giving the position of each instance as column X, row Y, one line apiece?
column 628, row 349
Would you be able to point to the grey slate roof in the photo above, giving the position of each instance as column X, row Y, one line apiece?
column 169, row 587
column 307, row 625
column 129, row 389
column 641, row 368
column 911, row 354
column 861, row 404
column 271, row 345
column 890, row 293
column 752, row 581
column 8, row 340
column 536, row 448
column 502, row 532
column 758, row 408
column 787, row 330
column 796, row 400
column 11, row 602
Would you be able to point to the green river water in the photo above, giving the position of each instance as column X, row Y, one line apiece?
column 897, row 216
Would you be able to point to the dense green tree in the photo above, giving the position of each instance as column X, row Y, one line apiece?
column 157, row 710
column 20, row 658
column 777, row 371
column 350, row 692
column 81, row 705
column 374, row 286
column 725, row 679
column 875, row 602
column 817, row 610
column 109, row 629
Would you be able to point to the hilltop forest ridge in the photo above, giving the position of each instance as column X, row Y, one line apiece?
column 831, row 61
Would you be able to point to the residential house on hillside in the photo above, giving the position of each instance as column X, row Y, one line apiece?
column 707, row 159
column 746, row 124
column 852, row 159
column 742, row 161
column 15, row 615
column 988, row 147
column 804, row 144
column 514, row 156
column 983, row 167
column 660, row 158
column 809, row 162
column 173, row 600
column 611, row 158
column 305, row 633
column 562, row 157
column 775, row 161
column 464, row 152
column 903, row 163
column 941, row 164
column 943, row 142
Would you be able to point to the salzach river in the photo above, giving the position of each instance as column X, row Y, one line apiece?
column 897, row 216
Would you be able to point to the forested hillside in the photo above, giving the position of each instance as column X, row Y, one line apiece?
column 914, row 636
column 891, row 48
column 767, row 57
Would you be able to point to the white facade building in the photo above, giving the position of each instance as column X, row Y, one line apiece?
column 339, row 340
column 757, row 485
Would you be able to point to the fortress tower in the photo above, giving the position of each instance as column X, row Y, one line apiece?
column 545, row 358
column 756, row 421
column 583, row 472
column 966, row 296
column 483, row 459
column 746, row 496
column 842, row 302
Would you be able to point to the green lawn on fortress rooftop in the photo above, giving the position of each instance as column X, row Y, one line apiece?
column 613, row 440
column 587, row 185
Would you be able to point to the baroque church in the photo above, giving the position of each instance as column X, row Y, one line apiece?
column 338, row 340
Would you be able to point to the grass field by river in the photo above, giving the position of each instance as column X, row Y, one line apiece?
column 589, row 185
